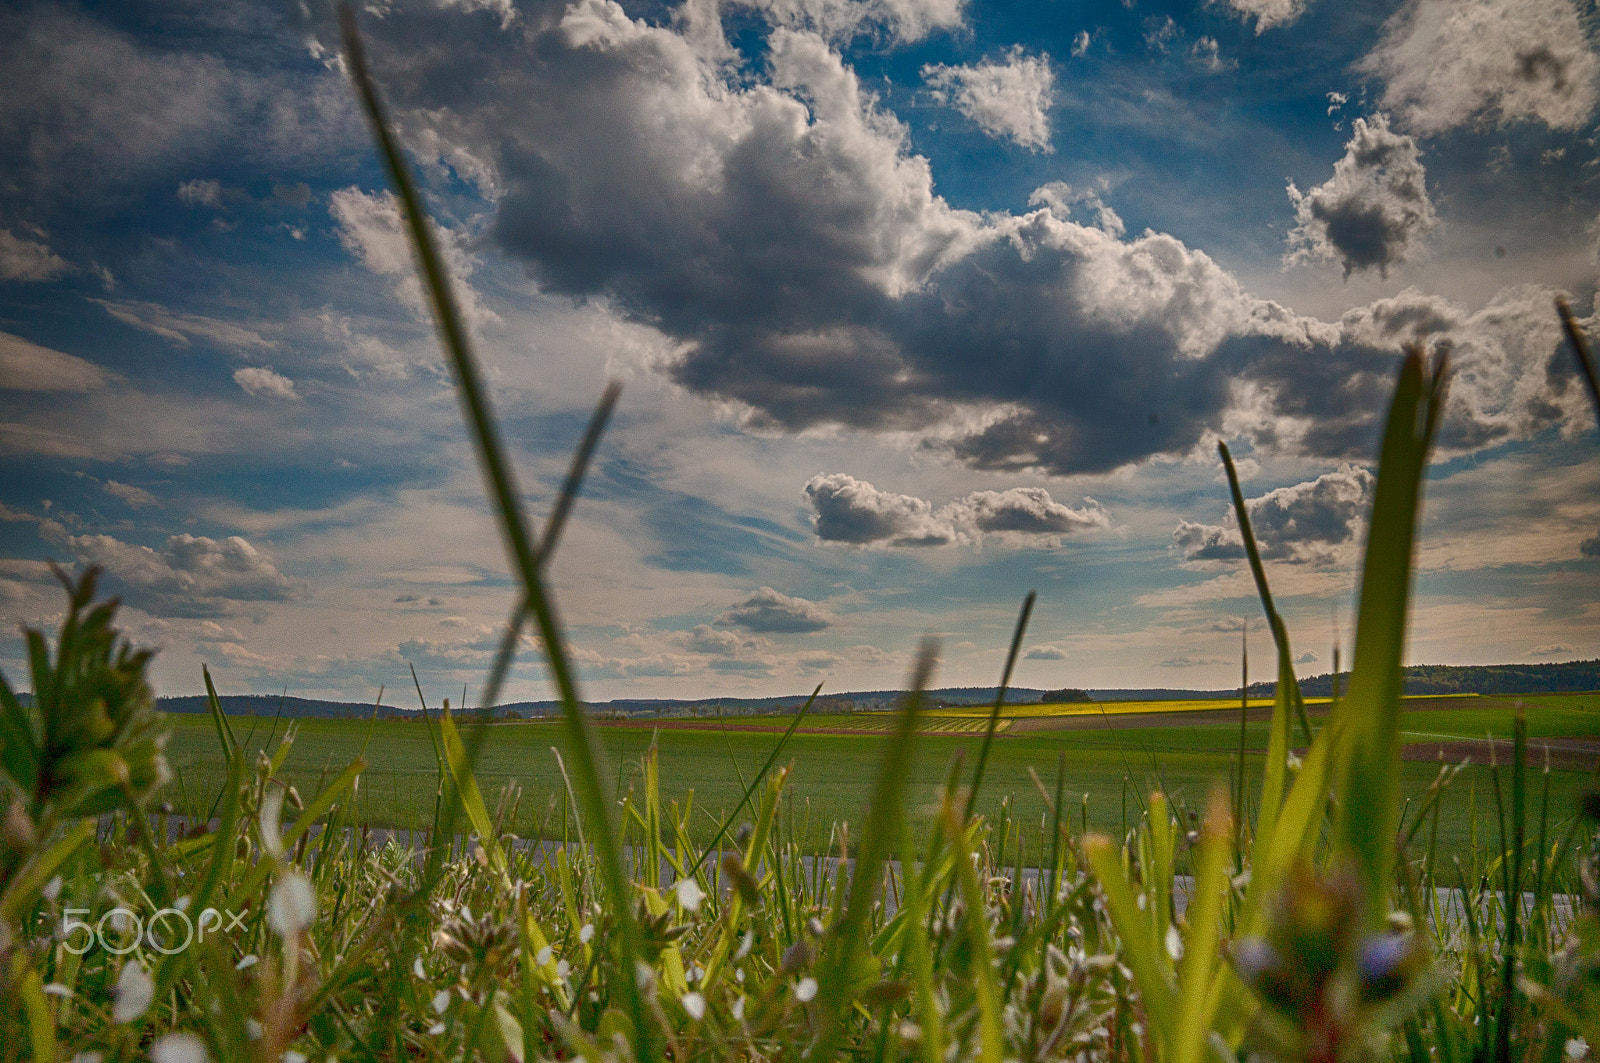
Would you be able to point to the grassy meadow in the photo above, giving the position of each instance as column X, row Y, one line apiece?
column 1106, row 772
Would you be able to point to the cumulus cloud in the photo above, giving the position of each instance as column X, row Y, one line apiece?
column 1445, row 63
column 1373, row 208
column 1554, row 649
column 1023, row 512
column 1008, row 99
column 771, row 611
column 1307, row 522
column 262, row 381
column 190, row 576
column 26, row 366
column 1045, row 653
column 854, row 512
column 28, row 260
column 779, row 232
column 1268, row 13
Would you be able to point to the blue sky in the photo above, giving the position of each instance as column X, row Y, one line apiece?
column 917, row 304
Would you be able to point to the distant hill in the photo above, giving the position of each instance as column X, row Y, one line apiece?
column 1419, row 679
column 269, row 705
column 1468, row 679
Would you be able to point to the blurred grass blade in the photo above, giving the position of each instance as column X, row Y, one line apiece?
column 552, row 535
column 1580, row 350
column 1275, row 772
column 991, row 1034
column 884, row 816
column 230, row 744
column 999, row 704
column 581, row 742
column 471, row 799
column 1366, row 825
column 1199, row 967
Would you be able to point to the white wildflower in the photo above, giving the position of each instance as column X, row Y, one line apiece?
column 806, row 989
column 1174, row 943
column 542, row 957
column 586, row 934
column 738, row 1010
column 271, row 811
column 694, row 1004
column 179, row 1048
column 689, row 894
column 563, row 968
column 252, row 1029
column 247, row 962
column 291, row 906
column 441, row 1000
column 56, row 989
column 134, row 993
column 418, row 970
column 52, row 889
column 436, row 1029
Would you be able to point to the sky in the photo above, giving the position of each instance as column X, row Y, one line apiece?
column 917, row 306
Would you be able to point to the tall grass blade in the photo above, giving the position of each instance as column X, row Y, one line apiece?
column 552, row 535
column 1365, row 825
column 581, row 742
column 884, row 816
column 999, row 704
column 1580, row 350
column 744, row 801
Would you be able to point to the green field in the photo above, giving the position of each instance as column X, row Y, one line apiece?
column 832, row 772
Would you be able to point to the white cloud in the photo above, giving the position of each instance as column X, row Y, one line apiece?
column 1010, row 99
column 201, row 193
column 135, row 497
column 370, row 228
column 1318, row 521
column 262, row 381
column 1207, row 55
column 180, row 328
column 854, row 512
column 26, row 366
column 90, row 112
column 28, row 260
column 1371, row 211
column 1269, row 13
column 190, row 576
column 1445, row 63
column 1045, row 653
column 773, row 611
column 904, row 21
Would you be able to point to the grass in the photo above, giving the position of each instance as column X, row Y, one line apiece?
column 829, row 774
column 1309, row 934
